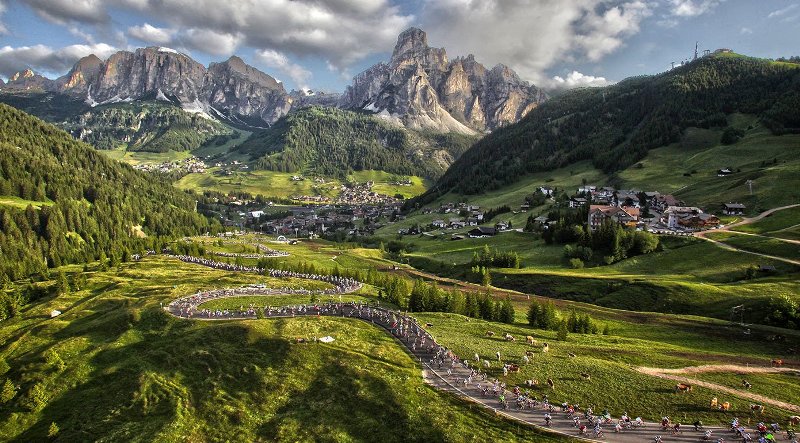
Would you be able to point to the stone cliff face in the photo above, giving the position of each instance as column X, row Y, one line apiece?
column 133, row 75
column 421, row 88
column 232, row 88
column 235, row 87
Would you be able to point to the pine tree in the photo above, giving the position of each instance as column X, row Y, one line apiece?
column 533, row 314
column 53, row 430
column 563, row 332
column 506, row 311
column 62, row 284
column 8, row 391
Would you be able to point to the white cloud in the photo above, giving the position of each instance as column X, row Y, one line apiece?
column 276, row 60
column 536, row 34
column 343, row 31
column 46, row 59
column 783, row 11
column 745, row 31
column 692, row 8
column 151, row 34
column 212, row 42
column 65, row 11
column 576, row 79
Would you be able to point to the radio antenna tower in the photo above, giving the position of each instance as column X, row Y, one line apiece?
column 673, row 65
column 695, row 50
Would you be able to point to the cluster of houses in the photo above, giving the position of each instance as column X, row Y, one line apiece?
column 311, row 221
column 188, row 165
column 462, row 215
column 650, row 210
column 362, row 194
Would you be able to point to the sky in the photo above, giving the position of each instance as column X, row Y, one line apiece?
column 321, row 44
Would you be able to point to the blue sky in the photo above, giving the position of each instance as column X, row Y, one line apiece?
column 321, row 44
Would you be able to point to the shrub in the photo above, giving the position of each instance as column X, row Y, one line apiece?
column 52, row 431
column 576, row 263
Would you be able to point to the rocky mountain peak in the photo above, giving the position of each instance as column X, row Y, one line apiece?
column 422, row 89
column 412, row 48
column 412, row 40
column 235, row 66
column 82, row 74
column 21, row 75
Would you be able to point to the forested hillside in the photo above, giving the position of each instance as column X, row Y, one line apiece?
column 78, row 204
column 143, row 126
column 614, row 127
column 333, row 142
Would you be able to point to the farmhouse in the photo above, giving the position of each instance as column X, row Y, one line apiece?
column 482, row 231
column 733, row 209
column 439, row 224
column 724, row 172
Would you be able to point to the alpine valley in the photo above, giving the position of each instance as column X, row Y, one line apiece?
column 442, row 252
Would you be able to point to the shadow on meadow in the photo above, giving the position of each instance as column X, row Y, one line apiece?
column 343, row 403
column 138, row 390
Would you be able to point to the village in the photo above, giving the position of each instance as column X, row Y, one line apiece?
column 634, row 209
column 187, row 166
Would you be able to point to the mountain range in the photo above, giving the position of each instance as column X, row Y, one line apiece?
column 418, row 87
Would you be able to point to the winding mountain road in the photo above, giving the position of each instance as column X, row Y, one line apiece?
column 408, row 333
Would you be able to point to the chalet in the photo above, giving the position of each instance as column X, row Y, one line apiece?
column 689, row 218
column 733, row 209
column 524, row 207
column 662, row 202
column 724, row 172
column 439, row 224
column 599, row 214
column 482, row 231
column 546, row 190
column 577, row 202
column 472, row 221
column 588, row 189
column 501, row 226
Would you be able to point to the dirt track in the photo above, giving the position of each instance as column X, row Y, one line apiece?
column 669, row 374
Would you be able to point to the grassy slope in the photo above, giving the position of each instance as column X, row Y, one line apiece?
column 19, row 203
column 670, row 342
column 762, row 245
column 699, row 276
column 148, row 376
column 781, row 224
column 280, row 184
column 139, row 157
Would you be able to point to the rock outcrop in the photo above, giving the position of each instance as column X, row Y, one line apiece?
column 422, row 89
column 27, row 80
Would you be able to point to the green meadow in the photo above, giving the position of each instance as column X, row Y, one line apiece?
column 140, row 374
